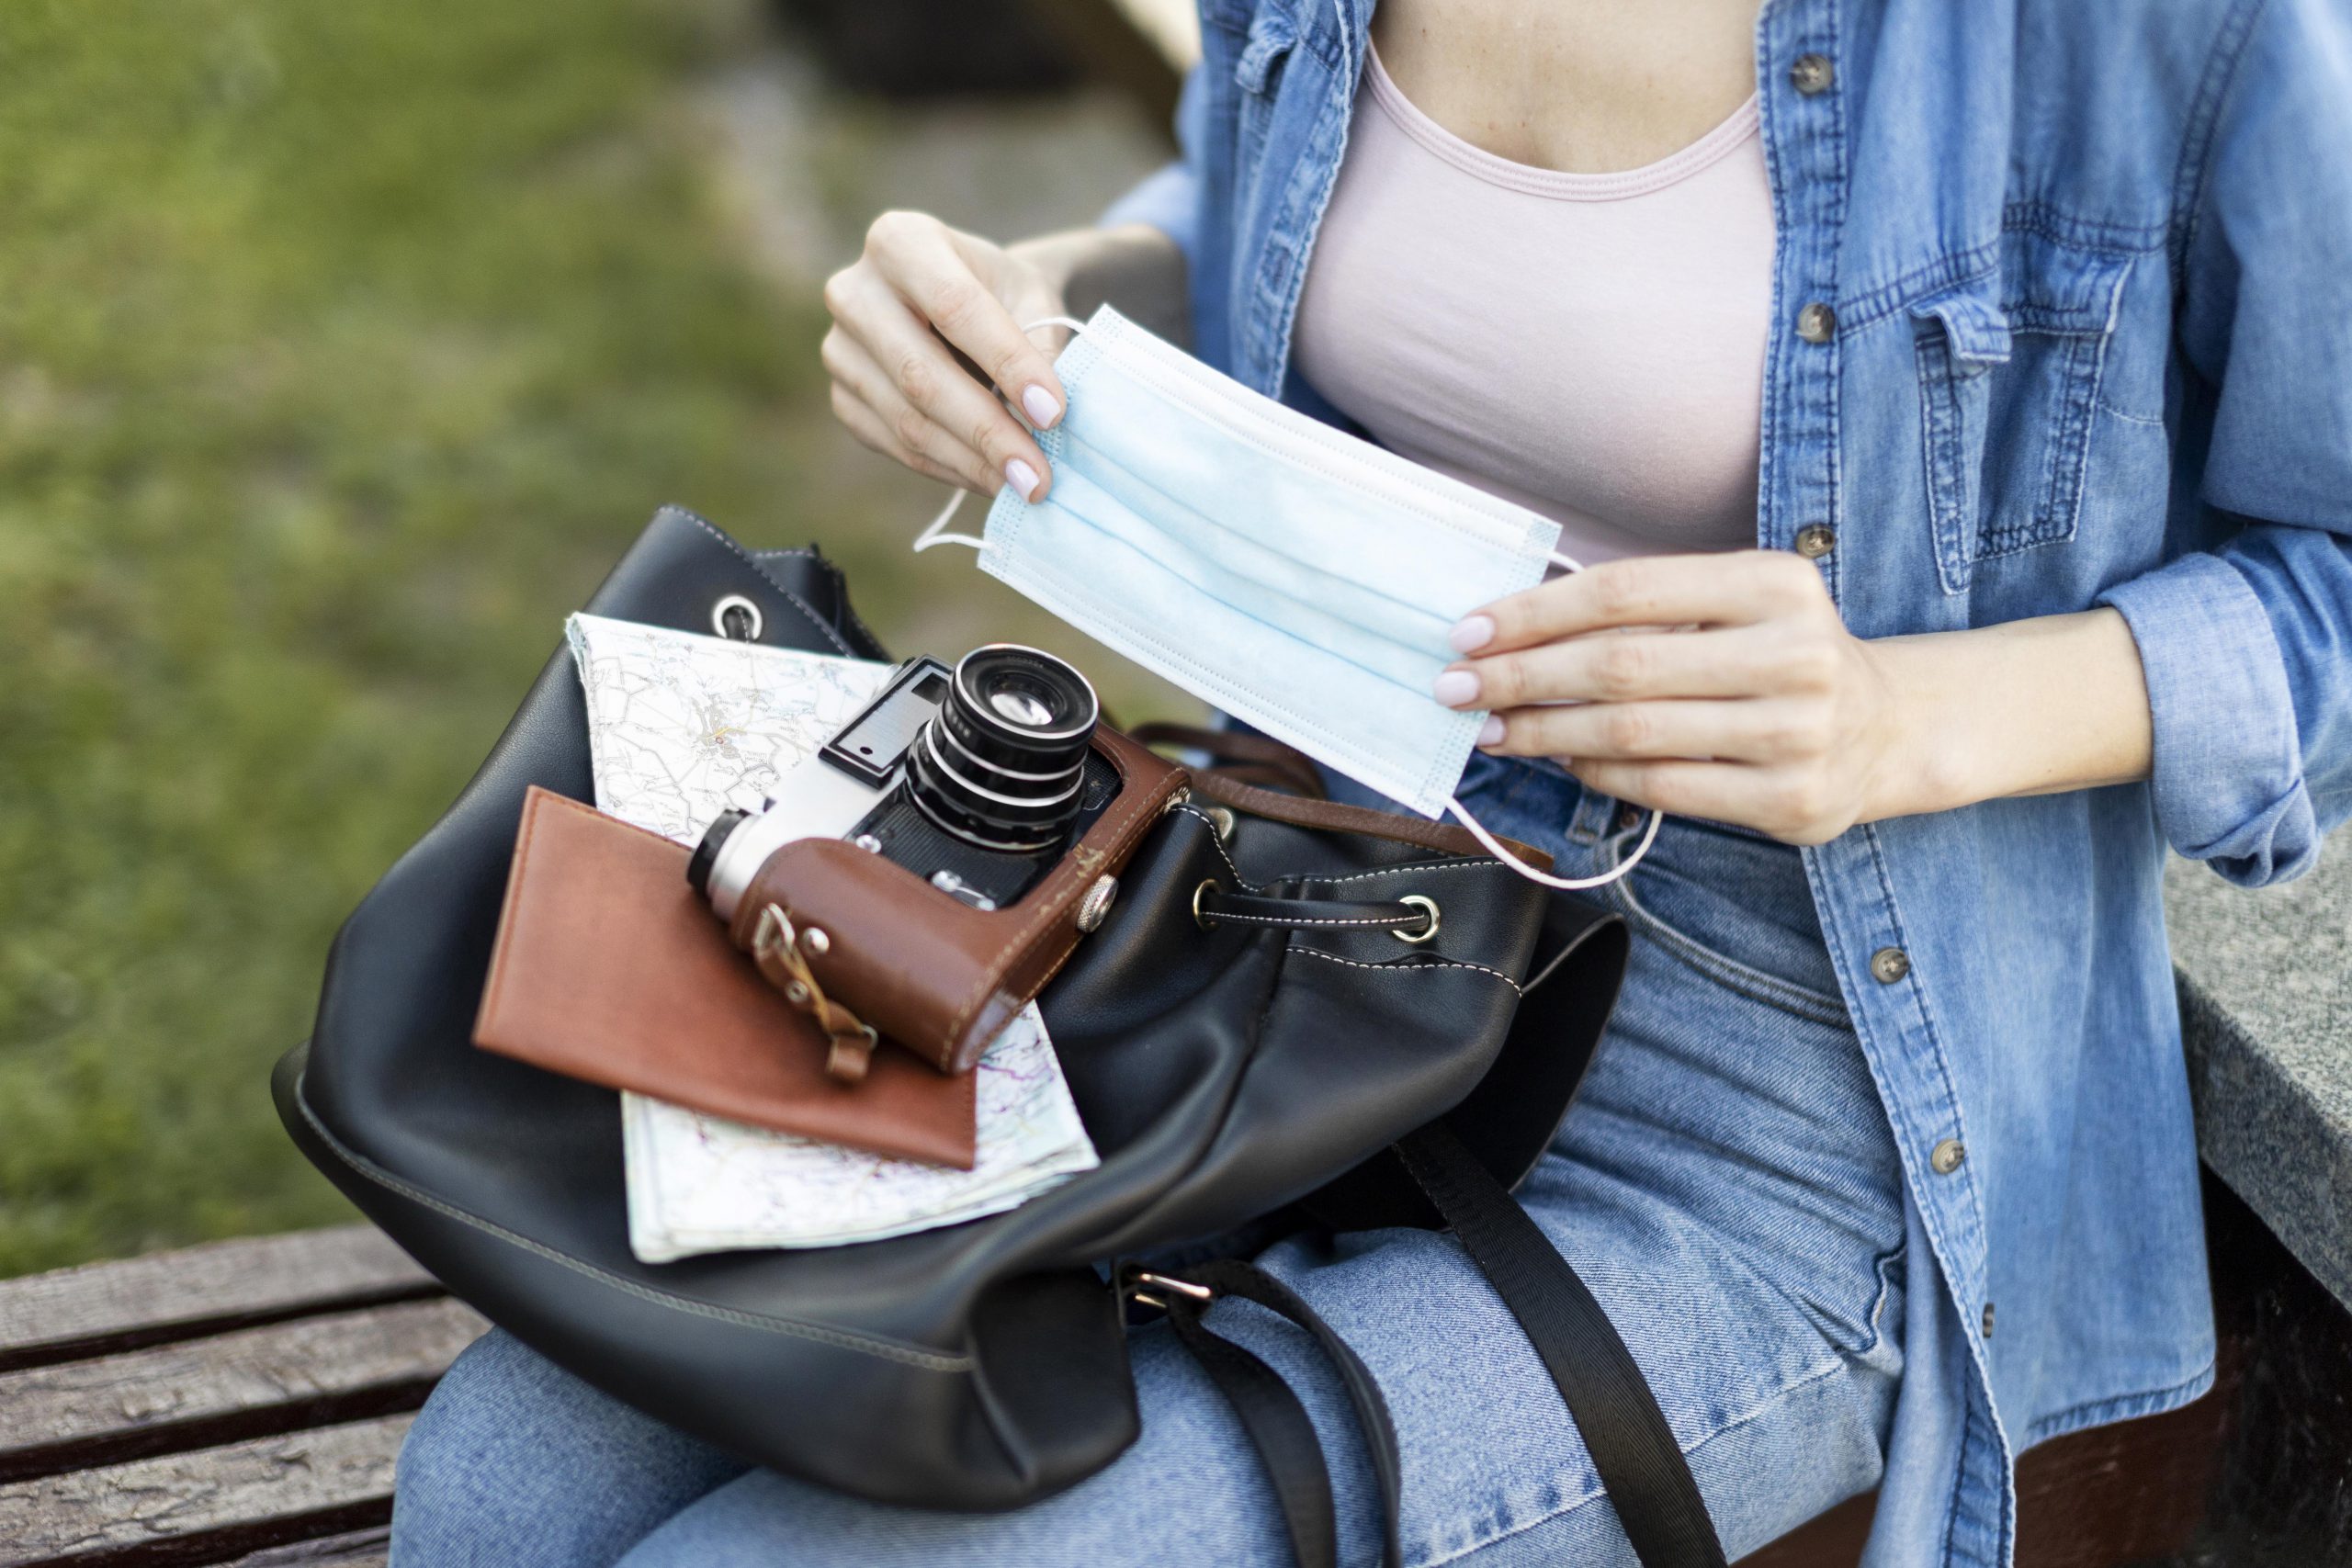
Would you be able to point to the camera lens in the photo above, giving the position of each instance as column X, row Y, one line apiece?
column 1003, row 763
column 713, row 841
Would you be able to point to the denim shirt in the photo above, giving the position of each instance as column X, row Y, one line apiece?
column 2065, row 305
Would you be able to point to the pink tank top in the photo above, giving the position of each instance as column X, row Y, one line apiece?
column 1590, row 346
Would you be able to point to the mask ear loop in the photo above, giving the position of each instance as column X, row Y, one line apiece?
column 1501, row 852
column 935, row 531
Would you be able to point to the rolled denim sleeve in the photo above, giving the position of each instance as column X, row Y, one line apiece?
column 2229, row 780
column 1169, row 199
column 2247, row 645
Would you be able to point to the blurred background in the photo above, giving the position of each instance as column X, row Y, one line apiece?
column 342, row 349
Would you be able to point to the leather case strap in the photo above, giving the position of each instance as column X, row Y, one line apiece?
column 1331, row 816
column 1240, row 755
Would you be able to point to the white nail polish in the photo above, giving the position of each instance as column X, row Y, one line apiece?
column 1456, row 688
column 1043, row 410
column 1022, row 478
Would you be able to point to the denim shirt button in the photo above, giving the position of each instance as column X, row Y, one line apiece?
column 1816, row 540
column 1812, row 74
column 1947, row 1156
column 1816, row 323
column 1988, row 1320
column 1889, row 965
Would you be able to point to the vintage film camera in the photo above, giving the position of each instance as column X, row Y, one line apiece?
column 977, row 779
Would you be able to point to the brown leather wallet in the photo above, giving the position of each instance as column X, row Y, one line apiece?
column 609, row 968
column 861, row 941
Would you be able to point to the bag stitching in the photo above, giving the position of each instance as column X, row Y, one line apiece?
column 843, row 1340
column 1398, row 968
column 773, row 581
column 1464, row 862
column 805, row 553
column 1305, row 920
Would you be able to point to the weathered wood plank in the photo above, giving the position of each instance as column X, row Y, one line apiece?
column 205, row 1506
column 201, row 1290
column 359, row 1548
column 202, row 1392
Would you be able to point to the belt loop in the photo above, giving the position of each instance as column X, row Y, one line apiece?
column 1592, row 819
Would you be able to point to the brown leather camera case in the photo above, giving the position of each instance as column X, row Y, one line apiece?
column 935, row 976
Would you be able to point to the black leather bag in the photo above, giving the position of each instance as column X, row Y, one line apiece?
column 1270, row 1060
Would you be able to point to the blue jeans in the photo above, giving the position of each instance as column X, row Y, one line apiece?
column 1727, row 1183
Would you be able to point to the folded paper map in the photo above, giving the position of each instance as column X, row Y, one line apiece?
column 680, row 728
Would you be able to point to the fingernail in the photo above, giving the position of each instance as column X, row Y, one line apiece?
column 1456, row 688
column 1043, row 409
column 1491, row 732
column 1472, row 634
column 1022, row 478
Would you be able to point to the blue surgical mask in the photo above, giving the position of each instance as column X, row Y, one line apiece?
column 1298, row 578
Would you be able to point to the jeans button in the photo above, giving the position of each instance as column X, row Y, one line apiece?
column 1816, row 323
column 1947, row 1156
column 1816, row 540
column 1889, row 965
column 1628, row 818
column 1811, row 74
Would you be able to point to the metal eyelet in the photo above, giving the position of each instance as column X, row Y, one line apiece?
column 1094, row 908
column 1428, row 906
column 1221, row 818
column 1199, row 918
column 737, row 610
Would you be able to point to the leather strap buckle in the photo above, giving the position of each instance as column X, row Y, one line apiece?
column 1139, row 1285
column 776, row 948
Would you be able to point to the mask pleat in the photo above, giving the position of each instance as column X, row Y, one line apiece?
column 1297, row 578
column 1296, row 507
column 1323, row 702
column 1406, row 644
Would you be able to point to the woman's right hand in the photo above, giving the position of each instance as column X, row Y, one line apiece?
column 921, row 294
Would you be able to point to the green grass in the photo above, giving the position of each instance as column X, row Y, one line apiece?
column 342, row 349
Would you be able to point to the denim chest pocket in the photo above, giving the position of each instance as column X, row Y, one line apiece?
column 2010, row 363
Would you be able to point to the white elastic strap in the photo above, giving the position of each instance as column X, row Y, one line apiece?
column 1564, row 884
column 1495, row 846
column 936, row 534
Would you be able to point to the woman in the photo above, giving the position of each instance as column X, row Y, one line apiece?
column 1956, row 400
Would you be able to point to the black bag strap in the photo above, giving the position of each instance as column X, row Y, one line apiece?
column 1271, row 1413
column 1633, row 1448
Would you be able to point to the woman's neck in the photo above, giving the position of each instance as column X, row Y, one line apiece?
column 1588, row 87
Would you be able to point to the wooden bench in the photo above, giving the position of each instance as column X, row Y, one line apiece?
column 243, row 1402
column 237, row 1402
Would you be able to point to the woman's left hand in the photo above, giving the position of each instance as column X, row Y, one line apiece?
column 1722, row 686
